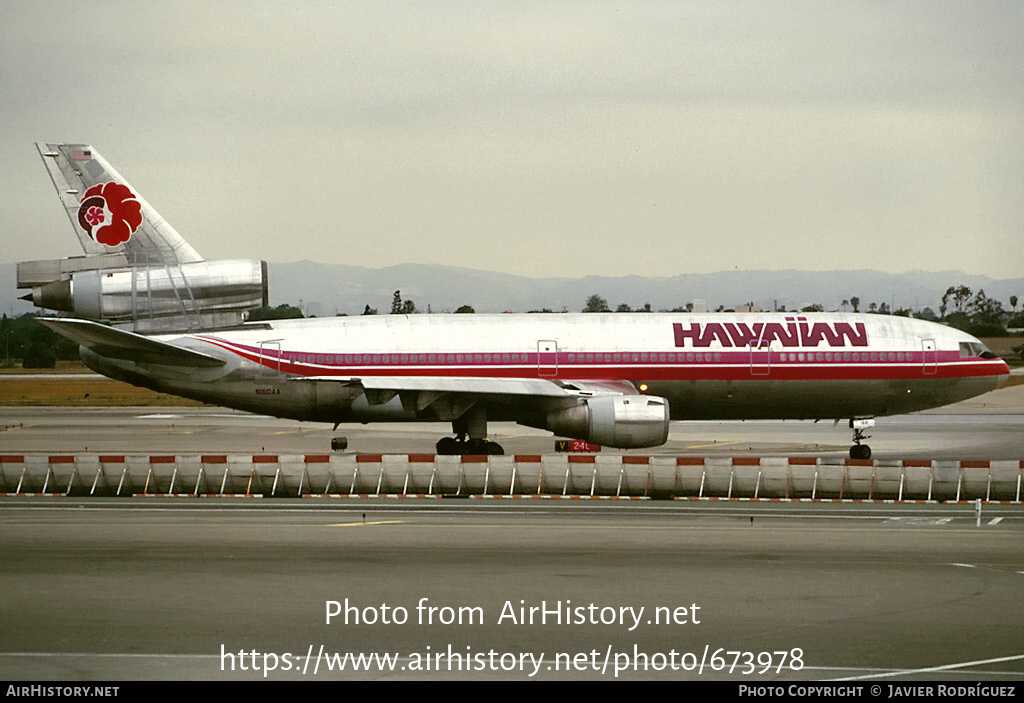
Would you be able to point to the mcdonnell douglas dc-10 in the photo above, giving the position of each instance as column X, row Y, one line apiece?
column 149, row 310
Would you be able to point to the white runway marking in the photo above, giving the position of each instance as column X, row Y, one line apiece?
column 863, row 672
column 947, row 667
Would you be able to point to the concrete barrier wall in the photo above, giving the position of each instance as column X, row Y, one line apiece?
column 577, row 475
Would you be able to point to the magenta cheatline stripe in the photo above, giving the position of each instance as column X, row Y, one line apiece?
column 718, row 365
column 582, row 458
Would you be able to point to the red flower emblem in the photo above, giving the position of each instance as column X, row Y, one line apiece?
column 95, row 216
column 125, row 213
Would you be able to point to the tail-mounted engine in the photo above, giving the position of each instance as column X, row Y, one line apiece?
column 148, row 298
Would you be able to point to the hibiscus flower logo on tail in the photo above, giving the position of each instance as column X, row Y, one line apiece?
column 110, row 214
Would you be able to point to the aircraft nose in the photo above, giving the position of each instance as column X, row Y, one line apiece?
column 1003, row 375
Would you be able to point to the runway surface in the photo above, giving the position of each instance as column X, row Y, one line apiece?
column 988, row 427
column 136, row 589
column 153, row 588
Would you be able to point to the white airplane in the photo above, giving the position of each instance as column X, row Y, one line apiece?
column 161, row 317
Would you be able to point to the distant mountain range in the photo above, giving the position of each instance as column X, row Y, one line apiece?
column 329, row 289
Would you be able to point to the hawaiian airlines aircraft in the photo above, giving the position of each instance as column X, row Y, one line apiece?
column 611, row 379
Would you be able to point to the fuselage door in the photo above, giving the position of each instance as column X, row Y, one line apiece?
column 547, row 357
column 930, row 361
column 270, row 360
column 760, row 357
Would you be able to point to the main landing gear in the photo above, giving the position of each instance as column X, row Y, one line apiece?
column 470, row 436
column 858, row 425
column 451, row 446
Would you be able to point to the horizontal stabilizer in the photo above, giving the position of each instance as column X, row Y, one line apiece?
column 119, row 344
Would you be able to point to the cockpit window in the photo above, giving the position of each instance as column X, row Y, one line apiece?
column 973, row 349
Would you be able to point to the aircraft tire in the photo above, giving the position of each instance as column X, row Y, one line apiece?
column 860, row 451
column 448, row 446
column 480, row 447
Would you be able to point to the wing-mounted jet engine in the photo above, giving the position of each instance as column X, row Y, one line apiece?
column 138, row 273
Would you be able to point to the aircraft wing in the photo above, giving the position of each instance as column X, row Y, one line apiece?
column 483, row 385
column 120, row 344
column 450, row 396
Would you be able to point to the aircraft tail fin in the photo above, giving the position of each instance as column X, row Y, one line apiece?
column 138, row 272
column 106, row 212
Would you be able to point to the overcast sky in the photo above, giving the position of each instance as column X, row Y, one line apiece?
column 549, row 138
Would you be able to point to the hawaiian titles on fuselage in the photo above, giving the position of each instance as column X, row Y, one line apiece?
column 796, row 332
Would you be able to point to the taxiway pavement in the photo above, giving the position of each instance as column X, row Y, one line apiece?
column 163, row 589
column 988, row 427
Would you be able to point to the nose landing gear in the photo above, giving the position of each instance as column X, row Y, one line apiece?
column 858, row 425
